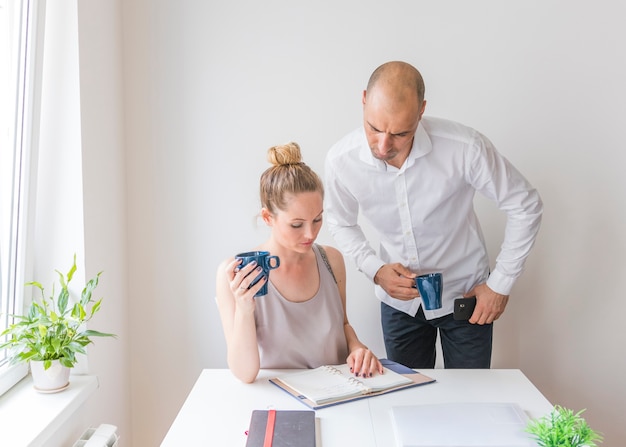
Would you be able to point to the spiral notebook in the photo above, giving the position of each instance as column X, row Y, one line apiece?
column 335, row 384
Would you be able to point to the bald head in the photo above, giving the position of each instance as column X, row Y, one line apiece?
column 393, row 105
column 397, row 80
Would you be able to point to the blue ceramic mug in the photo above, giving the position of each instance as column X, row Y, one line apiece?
column 263, row 260
column 431, row 288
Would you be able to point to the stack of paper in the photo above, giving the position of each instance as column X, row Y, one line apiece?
column 461, row 425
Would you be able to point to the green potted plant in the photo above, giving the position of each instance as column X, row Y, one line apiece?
column 563, row 428
column 52, row 332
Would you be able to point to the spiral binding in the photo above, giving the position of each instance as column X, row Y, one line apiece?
column 351, row 380
column 358, row 383
column 331, row 369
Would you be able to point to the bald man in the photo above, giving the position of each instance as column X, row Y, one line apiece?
column 413, row 179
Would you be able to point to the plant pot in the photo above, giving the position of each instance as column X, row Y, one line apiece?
column 51, row 380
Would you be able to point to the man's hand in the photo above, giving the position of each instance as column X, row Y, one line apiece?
column 397, row 281
column 489, row 304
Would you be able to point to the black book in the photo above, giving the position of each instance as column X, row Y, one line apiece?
column 290, row 428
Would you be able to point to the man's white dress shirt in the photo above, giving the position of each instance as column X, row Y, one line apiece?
column 423, row 213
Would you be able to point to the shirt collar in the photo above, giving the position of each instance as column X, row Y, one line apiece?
column 421, row 145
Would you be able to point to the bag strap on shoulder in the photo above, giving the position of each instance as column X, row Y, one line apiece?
column 325, row 259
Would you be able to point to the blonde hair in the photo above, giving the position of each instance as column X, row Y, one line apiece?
column 288, row 175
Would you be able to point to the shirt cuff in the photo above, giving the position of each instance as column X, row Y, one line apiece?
column 370, row 266
column 500, row 283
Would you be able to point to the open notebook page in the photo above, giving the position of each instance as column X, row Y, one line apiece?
column 330, row 383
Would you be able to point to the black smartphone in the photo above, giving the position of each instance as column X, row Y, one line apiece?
column 464, row 308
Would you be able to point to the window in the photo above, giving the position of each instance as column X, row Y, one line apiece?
column 16, row 117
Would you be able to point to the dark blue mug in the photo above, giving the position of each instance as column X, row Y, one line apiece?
column 263, row 260
column 431, row 288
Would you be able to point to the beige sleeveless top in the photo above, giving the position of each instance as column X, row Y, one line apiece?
column 302, row 335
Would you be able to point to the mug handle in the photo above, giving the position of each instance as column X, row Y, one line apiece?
column 276, row 259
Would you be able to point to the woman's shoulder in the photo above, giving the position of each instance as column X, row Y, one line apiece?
column 335, row 258
column 330, row 251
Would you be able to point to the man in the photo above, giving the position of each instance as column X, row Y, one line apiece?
column 414, row 178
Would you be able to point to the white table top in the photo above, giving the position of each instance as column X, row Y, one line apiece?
column 218, row 408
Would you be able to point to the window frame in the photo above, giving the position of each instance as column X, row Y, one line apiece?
column 26, row 124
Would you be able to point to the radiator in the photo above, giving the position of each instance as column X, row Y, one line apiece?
column 103, row 436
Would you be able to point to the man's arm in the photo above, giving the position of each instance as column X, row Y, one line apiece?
column 496, row 178
column 341, row 210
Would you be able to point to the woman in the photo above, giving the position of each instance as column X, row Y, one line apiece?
column 301, row 322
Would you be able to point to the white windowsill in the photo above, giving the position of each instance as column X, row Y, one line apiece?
column 29, row 418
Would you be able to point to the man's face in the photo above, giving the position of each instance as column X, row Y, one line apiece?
column 390, row 126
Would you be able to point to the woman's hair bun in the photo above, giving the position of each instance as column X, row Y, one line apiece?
column 284, row 154
column 287, row 176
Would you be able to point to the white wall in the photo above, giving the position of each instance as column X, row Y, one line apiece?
column 104, row 193
column 81, row 193
column 210, row 85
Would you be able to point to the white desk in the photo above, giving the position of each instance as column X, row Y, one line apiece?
column 217, row 411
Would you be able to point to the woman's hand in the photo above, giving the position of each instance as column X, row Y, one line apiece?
column 236, row 305
column 363, row 362
column 240, row 279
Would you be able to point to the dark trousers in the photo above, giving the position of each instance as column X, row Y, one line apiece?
column 411, row 340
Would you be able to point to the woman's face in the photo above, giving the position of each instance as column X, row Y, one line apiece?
column 297, row 226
